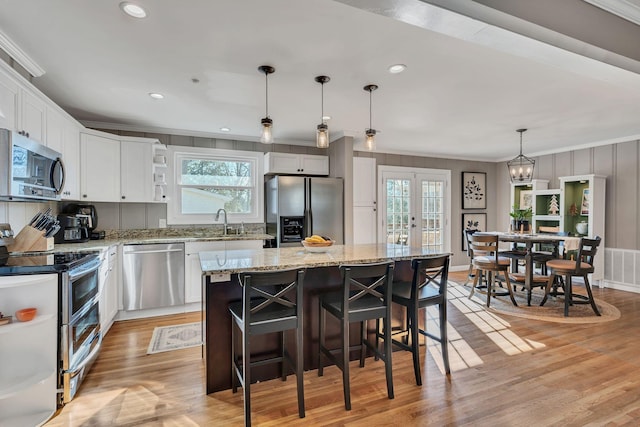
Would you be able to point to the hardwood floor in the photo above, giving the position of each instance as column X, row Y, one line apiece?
column 506, row 371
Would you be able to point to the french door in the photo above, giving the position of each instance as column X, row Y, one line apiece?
column 415, row 207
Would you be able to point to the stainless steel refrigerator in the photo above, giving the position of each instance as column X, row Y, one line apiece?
column 297, row 207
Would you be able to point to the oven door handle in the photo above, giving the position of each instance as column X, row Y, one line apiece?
column 87, row 359
column 84, row 268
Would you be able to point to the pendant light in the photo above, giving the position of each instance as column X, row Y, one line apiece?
column 267, row 124
column 322, row 134
column 521, row 167
column 370, row 141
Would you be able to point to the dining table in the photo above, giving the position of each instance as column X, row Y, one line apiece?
column 531, row 239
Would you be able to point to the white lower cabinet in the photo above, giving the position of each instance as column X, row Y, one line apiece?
column 29, row 350
column 109, row 275
column 192, row 270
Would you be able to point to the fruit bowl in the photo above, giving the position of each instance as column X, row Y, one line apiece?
column 317, row 246
column 26, row 314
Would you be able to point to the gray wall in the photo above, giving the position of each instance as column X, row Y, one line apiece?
column 617, row 162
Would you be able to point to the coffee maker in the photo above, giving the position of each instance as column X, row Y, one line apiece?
column 73, row 229
column 88, row 216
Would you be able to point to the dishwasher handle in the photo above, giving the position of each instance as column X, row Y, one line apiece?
column 152, row 251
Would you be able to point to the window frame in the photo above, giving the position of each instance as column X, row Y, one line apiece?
column 174, row 194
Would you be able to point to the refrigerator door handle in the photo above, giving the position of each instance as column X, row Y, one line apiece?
column 308, row 216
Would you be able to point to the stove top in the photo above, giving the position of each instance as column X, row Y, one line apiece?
column 54, row 262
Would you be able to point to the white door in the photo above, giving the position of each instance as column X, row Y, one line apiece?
column 415, row 207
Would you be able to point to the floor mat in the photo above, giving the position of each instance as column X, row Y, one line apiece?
column 175, row 337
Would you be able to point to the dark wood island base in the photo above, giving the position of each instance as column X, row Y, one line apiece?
column 318, row 279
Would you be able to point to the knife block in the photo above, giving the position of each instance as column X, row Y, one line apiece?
column 30, row 239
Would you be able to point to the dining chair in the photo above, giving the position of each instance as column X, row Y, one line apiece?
column 271, row 302
column 581, row 266
column 493, row 264
column 427, row 288
column 365, row 295
column 471, row 254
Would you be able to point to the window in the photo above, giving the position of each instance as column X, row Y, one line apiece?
column 205, row 180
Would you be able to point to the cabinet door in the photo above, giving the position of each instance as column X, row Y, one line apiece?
column 136, row 172
column 314, row 165
column 282, row 163
column 364, row 181
column 63, row 135
column 32, row 117
column 8, row 103
column 364, row 224
column 99, row 168
column 111, row 290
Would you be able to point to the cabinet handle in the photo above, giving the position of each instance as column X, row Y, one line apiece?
column 84, row 195
column 123, row 197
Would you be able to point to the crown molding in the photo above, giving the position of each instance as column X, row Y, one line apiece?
column 625, row 9
column 20, row 56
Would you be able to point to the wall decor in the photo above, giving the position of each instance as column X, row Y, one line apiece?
column 526, row 199
column 474, row 188
column 472, row 221
column 584, row 206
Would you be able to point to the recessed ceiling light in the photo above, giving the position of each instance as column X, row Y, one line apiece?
column 155, row 95
column 397, row 68
column 132, row 9
column 326, row 117
column 224, row 129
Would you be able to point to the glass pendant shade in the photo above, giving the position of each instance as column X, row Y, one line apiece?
column 521, row 167
column 266, row 136
column 322, row 136
column 370, row 140
column 322, row 133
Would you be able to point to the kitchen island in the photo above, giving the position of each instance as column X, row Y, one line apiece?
column 220, row 281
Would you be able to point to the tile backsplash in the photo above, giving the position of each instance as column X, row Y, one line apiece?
column 111, row 216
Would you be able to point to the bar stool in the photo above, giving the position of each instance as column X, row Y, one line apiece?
column 428, row 287
column 267, row 307
column 365, row 295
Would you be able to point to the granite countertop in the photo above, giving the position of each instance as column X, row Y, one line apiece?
column 236, row 261
column 100, row 245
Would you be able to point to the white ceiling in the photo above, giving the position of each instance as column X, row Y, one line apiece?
column 467, row 88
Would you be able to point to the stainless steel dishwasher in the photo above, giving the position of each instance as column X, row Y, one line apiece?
column 153, row 275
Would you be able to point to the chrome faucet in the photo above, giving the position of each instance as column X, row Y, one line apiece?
column 225, row 219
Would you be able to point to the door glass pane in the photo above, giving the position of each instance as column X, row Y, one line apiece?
column 398, row 206
column 432, row 223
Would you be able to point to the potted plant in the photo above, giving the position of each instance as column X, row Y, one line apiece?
column 521, row 218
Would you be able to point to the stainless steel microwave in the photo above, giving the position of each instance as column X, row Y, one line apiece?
column 28, row 170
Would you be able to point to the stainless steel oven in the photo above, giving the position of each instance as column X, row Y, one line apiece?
column 80, row 335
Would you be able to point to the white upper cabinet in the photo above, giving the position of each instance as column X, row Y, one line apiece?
column 99, row 168
column 364, row 181
column 32, row 117
column 136, row 171
column 63, row 135
column 8, row 102
column 296, row 164
column 20, row 109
